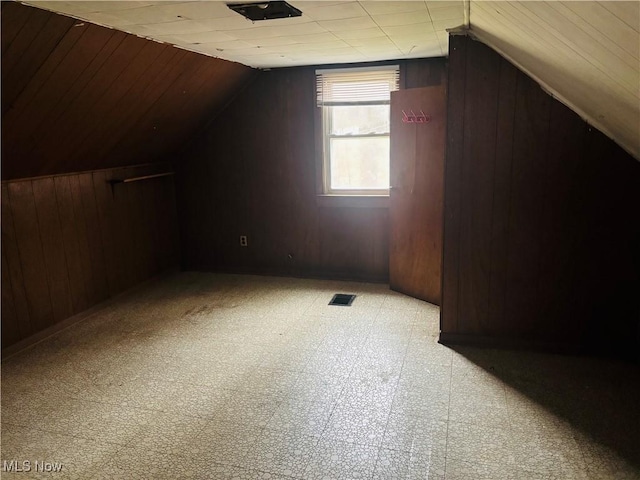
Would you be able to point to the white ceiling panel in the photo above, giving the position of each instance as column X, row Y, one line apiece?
column 269, row 32
column 371, row 42
column 201, row 37
column 449, row 13
column 347, row 24
column 399, row 19
column 235, row 22
column 371, row 25
column 414, row 29
column 390, row 8
column 364, row 33
column 587, row 53
column 335, row 12
column 181, row 27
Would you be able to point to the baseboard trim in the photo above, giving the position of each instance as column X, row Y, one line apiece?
column 508, row 343
column 33, row 340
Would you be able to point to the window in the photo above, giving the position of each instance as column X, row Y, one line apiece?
column 355, row 128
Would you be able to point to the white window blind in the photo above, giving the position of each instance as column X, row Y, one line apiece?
column 356, row 86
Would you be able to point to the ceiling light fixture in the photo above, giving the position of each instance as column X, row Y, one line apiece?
column 265, row 10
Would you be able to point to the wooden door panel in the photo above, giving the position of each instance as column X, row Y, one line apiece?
column 417, row 177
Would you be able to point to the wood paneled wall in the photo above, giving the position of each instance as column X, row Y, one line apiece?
column 78, row 97
column 254, row 173
column 541, row 233
column 71, row 241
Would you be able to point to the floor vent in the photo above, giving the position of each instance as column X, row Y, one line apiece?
column 342, row 299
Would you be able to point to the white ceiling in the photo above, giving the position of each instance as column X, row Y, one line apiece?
column 586, row 53
column 327, row 31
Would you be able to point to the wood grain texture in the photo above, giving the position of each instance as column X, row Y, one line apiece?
column 456, row 81
column 417, row 174
column 60, row 76
column 506, row 95
column 481, row 104
column 539, row 246
column 29, row 242
column 13, row 278
column 55, row 261
column 69, row 242
column 253, row 172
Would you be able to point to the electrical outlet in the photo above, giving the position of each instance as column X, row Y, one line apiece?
column 243, row 241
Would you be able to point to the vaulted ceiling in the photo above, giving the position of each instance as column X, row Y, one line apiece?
column 77, row 96
column 327, row 31
column 585, row 53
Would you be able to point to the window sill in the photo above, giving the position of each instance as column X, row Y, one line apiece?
column 353, row 201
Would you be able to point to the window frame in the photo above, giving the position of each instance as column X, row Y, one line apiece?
column 327, row 197
column 327, row 121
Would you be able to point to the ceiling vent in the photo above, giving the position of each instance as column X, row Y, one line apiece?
column 265, row 10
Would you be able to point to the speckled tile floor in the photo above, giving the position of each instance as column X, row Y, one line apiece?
column 208, row 376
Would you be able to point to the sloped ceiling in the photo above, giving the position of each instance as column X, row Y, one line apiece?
column 77, row 96
column 587, row 54
column 327, row 31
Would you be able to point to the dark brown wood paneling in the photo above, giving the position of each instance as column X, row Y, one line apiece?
column 425, row 72
column 19, row 48
column 15, row 277
column 55, row 263
column 538, row 237
column 13, row 19
column 479, row 146
column 453, row 182
column 29, row 241
column 130, row 76
column 144, row 92
column 26, row 122
column 78, row 97
column 69, row 242
column 560, row 237
column 253, row 172
column 527, row 189
column 506, row 97
column 10, row 326
column 31, row 61
column 84, row 251
column 92, row 224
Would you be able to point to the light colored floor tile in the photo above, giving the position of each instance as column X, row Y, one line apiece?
column 461, row 470
column 168, row 432
column 250, row 408
column 317, row 387
column 369, row 393
column 357, row 425
column 213, row 376
column 425, row 402
column 284, row 452
column 223, row 442
column 306, row 417
column 391, row 464
column 335, row 460
column 550, row 451
column 137, row 463
column 426, row 465
column 479, row 410
column 480, row 444
column 415, row 434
